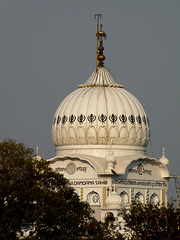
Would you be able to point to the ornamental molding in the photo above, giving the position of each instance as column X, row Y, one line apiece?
column 102, row 118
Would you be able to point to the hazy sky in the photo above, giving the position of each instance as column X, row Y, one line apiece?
column 48, row 47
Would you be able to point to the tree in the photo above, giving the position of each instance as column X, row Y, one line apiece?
column 15, row 171
column 149, row 221
column 34, row 196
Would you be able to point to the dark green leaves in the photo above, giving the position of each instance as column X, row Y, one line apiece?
column 33, row 196
column 148, row 221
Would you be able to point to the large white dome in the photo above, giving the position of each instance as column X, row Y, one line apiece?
column 100, row 112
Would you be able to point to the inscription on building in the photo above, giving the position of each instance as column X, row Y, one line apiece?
column 140, row 170
column 71, row 169
column 140, row 183
column 98, row 182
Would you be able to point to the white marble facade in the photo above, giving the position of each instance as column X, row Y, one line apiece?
column 100, row 132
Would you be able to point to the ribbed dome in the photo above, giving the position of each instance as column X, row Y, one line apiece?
column 100, row 112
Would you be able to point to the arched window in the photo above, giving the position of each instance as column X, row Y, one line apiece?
column 93, row 198
column 154, row 199
column 124, row 197
column 139, row 198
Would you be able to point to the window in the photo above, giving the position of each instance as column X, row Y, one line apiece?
column 93, row 198
column 139, row 198
column 124, row 197
column 154, row 199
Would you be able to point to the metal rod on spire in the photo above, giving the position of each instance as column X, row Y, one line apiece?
column 100, row 35
column 101, row 57
column 98, row 16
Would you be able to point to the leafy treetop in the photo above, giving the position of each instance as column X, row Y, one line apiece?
column 34, row 196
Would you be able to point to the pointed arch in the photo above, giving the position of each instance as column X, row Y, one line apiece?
column 154, row 199
column 93, row 198
column 124, row 197
column 139, row 197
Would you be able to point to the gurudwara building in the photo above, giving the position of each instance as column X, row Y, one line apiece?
column 100, row 133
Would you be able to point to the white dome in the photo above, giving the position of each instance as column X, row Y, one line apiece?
column 163, row 159
column 100, row 112
column 110, row 161
column 110, row 158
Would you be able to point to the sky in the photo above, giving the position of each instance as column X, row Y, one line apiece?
column 48, row 47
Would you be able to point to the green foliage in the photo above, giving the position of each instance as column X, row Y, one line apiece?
column 33, row 195
column 15, row 171
column 149, row 221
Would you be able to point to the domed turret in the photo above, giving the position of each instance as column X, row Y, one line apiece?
column 110, row 161
column 100, row 112
column 163, row 159
column 37, row 156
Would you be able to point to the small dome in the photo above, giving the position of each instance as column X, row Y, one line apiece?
column 37, row 156
column 163, row 159
column 100, row 112
column 110, row 158
column 113, row 200
column 110, row 161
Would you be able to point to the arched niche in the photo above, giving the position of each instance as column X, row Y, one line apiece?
column 154, row 199
column 124, row 197
column 93, row 198
column 139, row 197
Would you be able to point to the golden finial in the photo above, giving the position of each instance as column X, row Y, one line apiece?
column 98, row 16
column 100, row 34
column 101, row 57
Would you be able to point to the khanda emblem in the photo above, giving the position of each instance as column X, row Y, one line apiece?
column 138, row 118
column 140, row 169
column 91, row 118
column 102, row 118
column 64, row 119
column 81, row 118
column 58, row 119
column 113, row 118
column 123, row 118
column 72, row 119
column 132, row 119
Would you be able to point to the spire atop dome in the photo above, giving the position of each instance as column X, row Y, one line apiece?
column 163, row 159
column 99, row 114
column 37, row 151
column 100, row 35
column 37, row 156
column 163, row 152
column 101, row 57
